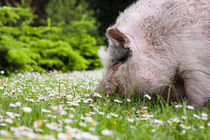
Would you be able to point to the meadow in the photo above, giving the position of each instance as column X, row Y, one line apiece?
column 58, row 106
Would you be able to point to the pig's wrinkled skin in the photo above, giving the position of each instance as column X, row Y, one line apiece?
column 158, row 43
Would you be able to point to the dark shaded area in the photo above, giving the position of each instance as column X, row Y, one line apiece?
column 3, row 53
column 5, row 65
column 39, row 9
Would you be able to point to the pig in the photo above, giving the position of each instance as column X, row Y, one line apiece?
column 159, row 46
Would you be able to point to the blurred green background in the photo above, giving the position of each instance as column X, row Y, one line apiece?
column 46, row 35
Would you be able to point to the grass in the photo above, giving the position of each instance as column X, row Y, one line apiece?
column 61, row 109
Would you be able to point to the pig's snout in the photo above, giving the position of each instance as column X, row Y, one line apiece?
column 108, row 85
column 111, row 85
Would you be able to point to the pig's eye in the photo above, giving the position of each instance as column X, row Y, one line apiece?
column 119, row 54
column 125, row 56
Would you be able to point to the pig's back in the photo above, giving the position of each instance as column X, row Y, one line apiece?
column 167, row 22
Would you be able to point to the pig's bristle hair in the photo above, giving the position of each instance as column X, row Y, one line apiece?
column 104, row 56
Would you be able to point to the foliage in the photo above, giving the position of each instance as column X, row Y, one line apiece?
column 18, row 3
column 65, row 11
column 105, row 11
column 26, row 48
column 73, row 16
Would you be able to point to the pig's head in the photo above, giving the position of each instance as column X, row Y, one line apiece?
column 133, row 65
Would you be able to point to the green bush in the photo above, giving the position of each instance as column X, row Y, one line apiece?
column 78, row 25
column 27, row 48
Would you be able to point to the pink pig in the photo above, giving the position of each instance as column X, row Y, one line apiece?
column 158, row 44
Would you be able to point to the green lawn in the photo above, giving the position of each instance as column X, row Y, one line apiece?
column 57, row 106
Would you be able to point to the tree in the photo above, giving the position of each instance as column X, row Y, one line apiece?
column 106, row 11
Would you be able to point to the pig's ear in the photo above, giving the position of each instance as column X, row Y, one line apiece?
column 118, row 37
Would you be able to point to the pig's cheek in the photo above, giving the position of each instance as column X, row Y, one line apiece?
column 122, row 79
column 110, row 86
column 110, row 82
